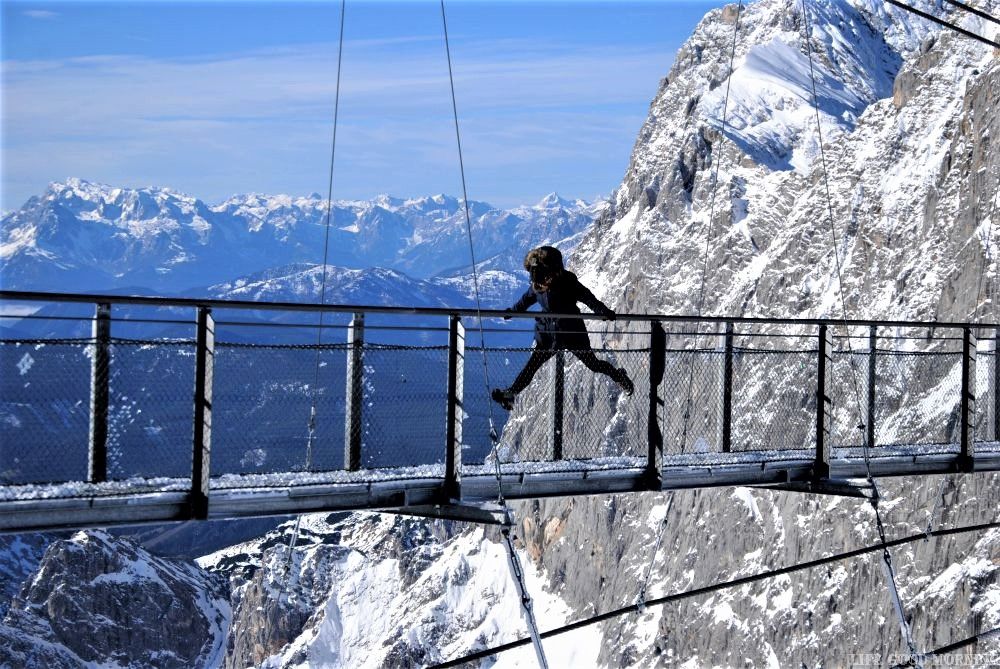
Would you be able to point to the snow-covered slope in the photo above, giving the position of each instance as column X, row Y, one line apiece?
column 373, row 591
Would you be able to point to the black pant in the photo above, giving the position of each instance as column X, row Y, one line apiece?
column 540, row 355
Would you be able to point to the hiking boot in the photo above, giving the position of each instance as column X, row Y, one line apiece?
column 504, row 398
column 621, row 378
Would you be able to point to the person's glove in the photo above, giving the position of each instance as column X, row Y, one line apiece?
column 609, row 315
column 507, row 313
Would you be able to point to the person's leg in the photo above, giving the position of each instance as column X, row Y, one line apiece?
column 505, row 398
column 538, row 358
column 594, row 363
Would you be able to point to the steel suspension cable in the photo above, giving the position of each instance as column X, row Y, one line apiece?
column 513, row 561
column 880, row 527
column 314, row 390
column 957, row 645
column 641, row 599
column 969, row 8
column 715, row 587
column 942, row 22
column 708, row 222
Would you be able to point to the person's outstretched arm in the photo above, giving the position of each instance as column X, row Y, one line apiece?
column 526, row 301
column 584, row 295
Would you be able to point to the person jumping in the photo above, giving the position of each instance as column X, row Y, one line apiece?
column 557, row 290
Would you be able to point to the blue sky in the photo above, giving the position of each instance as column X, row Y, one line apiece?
column 217, row 98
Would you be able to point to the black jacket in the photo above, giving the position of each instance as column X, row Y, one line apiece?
column 561, row 298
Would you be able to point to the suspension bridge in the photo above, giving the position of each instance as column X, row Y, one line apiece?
column 146, row 410
column 125, row 410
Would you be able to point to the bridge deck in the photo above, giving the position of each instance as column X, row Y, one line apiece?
column 133, row 411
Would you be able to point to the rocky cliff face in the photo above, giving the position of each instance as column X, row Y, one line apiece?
column 96, row 599
column 912, row 170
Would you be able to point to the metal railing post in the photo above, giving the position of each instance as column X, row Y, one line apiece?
column 824, row 417
column 456, row 397
column 727, row 392
column 872, row 345
column 100, row 382
column 657, row 367
column 968, row 402
column 996, row 385
column 556, row 399
column 203, row 382
column 354, row 396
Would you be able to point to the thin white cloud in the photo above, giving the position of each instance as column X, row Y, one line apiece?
column 262, row 120
column 40, row 14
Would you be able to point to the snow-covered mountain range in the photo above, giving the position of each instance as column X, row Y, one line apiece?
column 97, row 237
column 909, row 119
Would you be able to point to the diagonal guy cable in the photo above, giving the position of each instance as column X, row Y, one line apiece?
column 513, row 561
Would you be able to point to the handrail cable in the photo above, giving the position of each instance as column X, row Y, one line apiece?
column 942, row 22
column 887, row 566
column 641, row 598
column 513, row 561
column 314, row 391
column 714, row 587
column 249, row 305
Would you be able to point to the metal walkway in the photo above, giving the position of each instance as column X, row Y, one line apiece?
column 120, row 410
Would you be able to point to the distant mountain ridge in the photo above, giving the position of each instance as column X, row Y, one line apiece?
column 97, row 237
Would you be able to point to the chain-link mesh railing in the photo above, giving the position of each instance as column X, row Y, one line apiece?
column 692, row 389
column 917, row 400
column 987, row 426
column 847, row 388
column 404, row 408
column 150, row 408
column 775, row 406
column 261, row 404
column 44, row 410
column 401, row 415
column 388, row 419
column 602, row 427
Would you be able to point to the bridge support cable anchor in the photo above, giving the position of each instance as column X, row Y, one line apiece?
column 838, row 487
column 487, row 513
column 100, row 383
column 203, row 383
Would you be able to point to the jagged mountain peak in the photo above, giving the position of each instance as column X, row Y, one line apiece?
column 98, row 237
column 553, row 200
column 86, row 587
